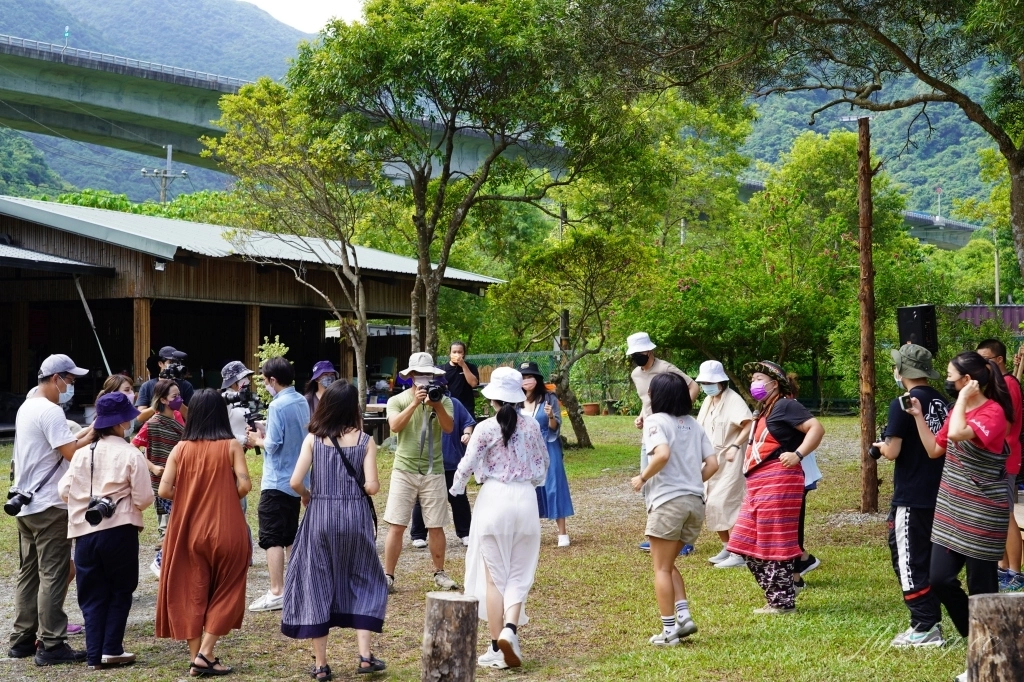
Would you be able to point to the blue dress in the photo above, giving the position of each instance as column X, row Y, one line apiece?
column 553, row 499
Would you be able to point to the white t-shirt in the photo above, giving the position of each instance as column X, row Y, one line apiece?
column 688, row 447
column 39, row 429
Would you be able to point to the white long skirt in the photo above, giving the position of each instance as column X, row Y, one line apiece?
column 505, row 536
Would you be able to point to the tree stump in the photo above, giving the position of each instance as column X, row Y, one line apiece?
column 995, row 645
column 449, row 638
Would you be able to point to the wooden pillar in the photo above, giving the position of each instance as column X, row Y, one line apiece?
column 20, row 369
column 140, row 338
column 866, row 297
column 251, row 343
column 449, row 638
column 995, row 649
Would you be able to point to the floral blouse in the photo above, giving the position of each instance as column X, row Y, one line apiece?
column 524, row 459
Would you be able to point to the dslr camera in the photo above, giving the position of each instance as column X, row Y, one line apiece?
column 436, row 391
column 874, row 451
column 99, row 508
column 250, row 401
column 174, row 370
column 16, row 499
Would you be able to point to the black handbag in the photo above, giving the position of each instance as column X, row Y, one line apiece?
column 360, row 479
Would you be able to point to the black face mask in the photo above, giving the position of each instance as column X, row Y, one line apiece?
column 951, row 389
column 640, row 359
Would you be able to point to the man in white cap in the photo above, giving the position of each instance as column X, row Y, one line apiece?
column 418, row 471
column 640, row 349
column 43, row 446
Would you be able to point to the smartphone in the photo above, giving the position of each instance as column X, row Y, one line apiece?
column 905, row 402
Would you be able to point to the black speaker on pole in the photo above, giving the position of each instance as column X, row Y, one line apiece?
column 916, row 324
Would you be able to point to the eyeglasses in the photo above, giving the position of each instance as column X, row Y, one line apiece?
column 68, row 379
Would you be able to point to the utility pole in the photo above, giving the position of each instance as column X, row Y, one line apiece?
column 164, row 176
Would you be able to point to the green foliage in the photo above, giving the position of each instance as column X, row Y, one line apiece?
column 217, row 208
column 265, row 351
column 23, row 169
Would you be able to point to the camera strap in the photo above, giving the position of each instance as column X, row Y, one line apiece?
column 39, row 487
column 426, row 438
column 360, row 479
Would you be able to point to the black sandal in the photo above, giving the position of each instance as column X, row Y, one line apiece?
column 375, row 665
column 207, row 670
column 324, row 670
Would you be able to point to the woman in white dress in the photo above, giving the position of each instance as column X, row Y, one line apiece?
column 508, row 456
column 726, row 418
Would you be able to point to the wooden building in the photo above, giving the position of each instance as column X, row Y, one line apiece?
column 152, row 282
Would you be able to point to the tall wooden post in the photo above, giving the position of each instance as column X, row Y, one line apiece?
column 20, row 369
column 140, row 338
column 449, row 638
column 251, row 342
column 866, row 297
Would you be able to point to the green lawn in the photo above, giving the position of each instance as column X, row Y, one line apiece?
column 592, row 608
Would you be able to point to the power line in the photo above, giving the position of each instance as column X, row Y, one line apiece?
column 57, row 151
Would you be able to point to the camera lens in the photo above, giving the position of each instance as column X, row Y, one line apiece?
column 874, row 452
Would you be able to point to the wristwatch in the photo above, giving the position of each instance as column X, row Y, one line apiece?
column 799, row 455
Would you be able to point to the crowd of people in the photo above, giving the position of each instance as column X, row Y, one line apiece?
column 741, row 474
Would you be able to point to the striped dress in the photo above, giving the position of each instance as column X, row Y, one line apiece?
column 334, row 578
column 163, row 434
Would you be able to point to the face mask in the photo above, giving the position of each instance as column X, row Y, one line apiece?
column 326, row 381
column 67, row 394
column 758, row 392
column 710, row 389
column 271, row 389
column 899, row 381
column 175, row 403
column 421, row 381
column 131, row 397
column 951, row 389
column 640, row 359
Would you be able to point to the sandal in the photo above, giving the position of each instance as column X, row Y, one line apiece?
column 324, row 670
column 375, row 665
column 207, row 670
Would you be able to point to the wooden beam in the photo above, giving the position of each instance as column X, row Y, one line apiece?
column 20, row 369
column 141, row 326
column 252, row 336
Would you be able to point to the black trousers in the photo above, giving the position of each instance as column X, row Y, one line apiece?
column 945, row 569
column 910, row 543
column 106, row 573
column 461, row 513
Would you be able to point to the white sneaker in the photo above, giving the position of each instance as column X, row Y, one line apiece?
column 442, row 580
column 268, row 602
column 391, row 583
column 563, row 540
column 721, row 556
column 508, row 642
column 733, row 561
column 154, row 568
column 686, row 627
column 465, row 541
column 962, row 677
column 492, row 659
column 774, row 611
column 419, row 544
column 665, row 639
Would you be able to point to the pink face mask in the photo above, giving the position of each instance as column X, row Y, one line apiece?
column 757, row 391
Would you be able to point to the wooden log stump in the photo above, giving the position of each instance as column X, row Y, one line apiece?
column 449, row 638
column 995, row 645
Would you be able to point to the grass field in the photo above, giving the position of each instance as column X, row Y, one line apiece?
column 592, row 608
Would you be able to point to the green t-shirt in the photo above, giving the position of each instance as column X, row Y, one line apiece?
column 408, row 456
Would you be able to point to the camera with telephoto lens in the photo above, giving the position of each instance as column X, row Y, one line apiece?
column 99, row 508
column 16, row 499
column 250, row 401
column 874, row 451
column 174, row 370
column 435, row 392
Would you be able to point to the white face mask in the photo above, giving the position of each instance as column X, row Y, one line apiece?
column 421, row 381
column 710, row 389
column 68, row 393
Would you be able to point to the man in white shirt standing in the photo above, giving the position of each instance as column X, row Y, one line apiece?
column 640, row 350
column 43, row 446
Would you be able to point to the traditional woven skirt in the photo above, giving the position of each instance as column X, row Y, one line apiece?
column 769, row 519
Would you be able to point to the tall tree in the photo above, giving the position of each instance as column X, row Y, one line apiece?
column 463, row 103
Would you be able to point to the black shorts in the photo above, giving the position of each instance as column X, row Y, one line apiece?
column 278, row 514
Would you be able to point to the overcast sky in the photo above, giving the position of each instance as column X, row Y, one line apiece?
column 310, row 15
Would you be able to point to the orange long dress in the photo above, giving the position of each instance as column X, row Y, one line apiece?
column 206, row 550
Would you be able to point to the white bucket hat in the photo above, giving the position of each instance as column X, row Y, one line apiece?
column 711, row 372
column 422, row 363
column 506, row 385
column 639, row 343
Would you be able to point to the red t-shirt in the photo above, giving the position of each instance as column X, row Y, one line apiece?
column 141, row 439
column 1013, row 428
column 988, row 423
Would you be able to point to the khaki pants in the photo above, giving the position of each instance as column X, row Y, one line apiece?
column 42, row 578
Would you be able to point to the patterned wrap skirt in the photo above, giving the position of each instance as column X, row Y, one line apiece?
column 769, row 519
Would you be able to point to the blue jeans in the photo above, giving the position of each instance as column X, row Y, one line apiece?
column 107, row 573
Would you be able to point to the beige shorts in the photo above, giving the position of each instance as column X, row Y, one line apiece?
column 406, row 487
column 680, row 519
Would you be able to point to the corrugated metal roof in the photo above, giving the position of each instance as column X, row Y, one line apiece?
column 164, row 237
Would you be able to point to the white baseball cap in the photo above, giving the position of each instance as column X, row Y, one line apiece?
column 711, row 372
column 60, row 364
column 639, row 343
column 422, row 363
column 506, row 385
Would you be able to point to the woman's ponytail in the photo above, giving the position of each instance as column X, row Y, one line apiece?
column 996, row 390
column 507, row 418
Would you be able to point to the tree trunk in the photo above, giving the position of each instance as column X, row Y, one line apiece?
column 431, row 288
column 567, row 397
column 1016, row 168
column 414, row 318
column 869, row 468
column 449, row 638
column 995, row 649
column 358, row 342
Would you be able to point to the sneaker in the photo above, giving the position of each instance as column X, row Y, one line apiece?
column 1016, row 583
column 665, row 638
column 774, row 611
column 732, row 561
column 804, row 567
column 419, row 544
column 687, row 549
column 492, row 659
column 799, row 585
column 268, row 602
column 75, row 629
column 508, row 643
column 911, row 637
column 645, row 546
column 120, row 659
column 442, row 580
column 58, row 655
column 563, row 540
column 1004, row 579
column 158, row 561
column 962, row 677
column 686, row 627
column 391, row 583
column 721, row 556
column 465, row 541
column 23, row 649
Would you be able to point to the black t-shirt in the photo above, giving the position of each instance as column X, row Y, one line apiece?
column 459, row 387
column 145, row 396
column 915, row 475
column 786, row 415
